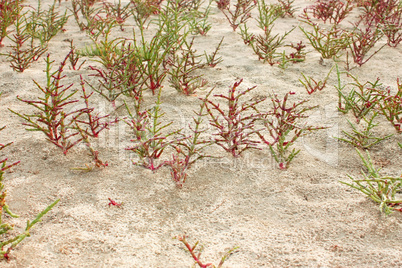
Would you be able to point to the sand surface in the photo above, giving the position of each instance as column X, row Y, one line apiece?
column 300, row 217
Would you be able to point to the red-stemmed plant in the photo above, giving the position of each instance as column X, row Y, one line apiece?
column 283, row 127
column 240, row 14
column 391, row 105
column 59, row 126
column 235, row 125
column 191, row 148
column 196, row 257
column 149, row 140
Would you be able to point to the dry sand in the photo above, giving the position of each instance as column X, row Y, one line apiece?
column 299, row 217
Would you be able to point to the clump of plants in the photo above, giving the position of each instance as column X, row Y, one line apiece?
column 363, row 101
column 238, row 14
column 362, row 135
column 360, row 100
column 333, row 11
column 265, row 45
column 24, row 51
column 8, row 242
column 182, row 67
column 9, row 11
column 390, row 105
column 63, row 129
column 384, row 190
column 43, row 25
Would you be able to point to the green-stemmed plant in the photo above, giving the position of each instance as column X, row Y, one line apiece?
column 360, row 99
column 312, row 85
column 391, row 105
column 192, row 148
column 265, row 45
column 122, row 73
column 9, row 11
column 150, row 136
column 74, row 57
column 362, row 136
column 45, row 24
column 212, row 60
column 182, row 66
column 7, row 241
column 198, row 20
column 381, row 189
column 152, row 56
column 328, row 42
column 23, row 50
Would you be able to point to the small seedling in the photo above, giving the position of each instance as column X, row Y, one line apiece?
column 299, row 55
column 74, row 58
column 196, row 257
column 312, row 85
column 380, row 189
column 211, row 60
column 114, row 203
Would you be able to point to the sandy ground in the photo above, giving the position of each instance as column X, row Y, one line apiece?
column 301, row 217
